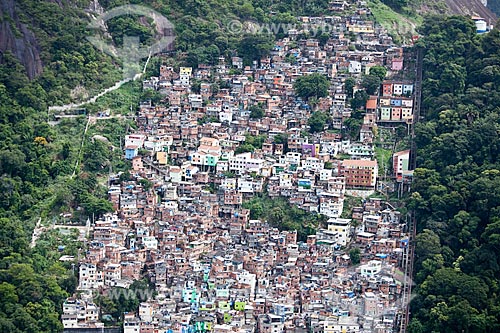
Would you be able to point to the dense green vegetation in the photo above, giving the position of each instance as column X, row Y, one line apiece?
column 251, row 143
column 455, row 192
column 33, row 282
column 280, row 214
column 379, row 71
column 317, row 121
column 46, row 171
column 311, row 86
column 371, row 82
column 69, row 60
column 256, row 112
column 37, row 162
column 204, row 30
column 398, row 17
column 355, row 256
column 120, row 300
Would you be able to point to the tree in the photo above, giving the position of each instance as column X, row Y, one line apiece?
column 355, row 255
column 8, row 295
column 428, row 245
column 359, row 100
column 323, row 38
column 255, row 141
column 453, row 78
column 246, row 9
column 349, row 84
column 96, row 206
column 353, row 127
column 415, row 326
column 95, row 155
column 313, row 85
column 125, row 177
column 378, row 71
column 280, row 139
column 254, row 47
column 244, row 148
column 196, row 86
column 317, row 122
column 146, row 184
column 256, row 112
column 371, row 83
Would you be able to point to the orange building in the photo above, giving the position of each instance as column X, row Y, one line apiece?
column 387, row 89
column 359, row 174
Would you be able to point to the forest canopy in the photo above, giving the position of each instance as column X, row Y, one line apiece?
column 455, row 190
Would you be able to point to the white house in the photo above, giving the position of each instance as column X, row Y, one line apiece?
column 372, row 268
column 313, row 163
column 90, row 277
column 343, row 227
column 175, row 174
column 150, row 243
column 146, row 312
column 112, row 273
column 244, row 162
column 355, row 67
column 331, row 206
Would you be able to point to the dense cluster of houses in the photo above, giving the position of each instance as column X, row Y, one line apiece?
column 179, row 219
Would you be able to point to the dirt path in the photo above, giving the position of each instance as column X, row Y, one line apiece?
column 102, row 93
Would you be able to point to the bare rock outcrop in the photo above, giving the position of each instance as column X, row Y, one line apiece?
column 471, row 8
column 17, row 38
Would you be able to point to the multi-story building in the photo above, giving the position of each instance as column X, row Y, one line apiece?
column 90, row 277
column 395, row 103
column 80, row 313
column 359, row 174
column 400, row 163
column 245, row 163
column 270, row 323
column 342, row 227
column 185, row 75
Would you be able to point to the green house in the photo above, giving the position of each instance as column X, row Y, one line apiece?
column 240, row 306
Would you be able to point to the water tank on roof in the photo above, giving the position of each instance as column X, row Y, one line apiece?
column 481, row 26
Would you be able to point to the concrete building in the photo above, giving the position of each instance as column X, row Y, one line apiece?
column 342, row 227
column 359, row 174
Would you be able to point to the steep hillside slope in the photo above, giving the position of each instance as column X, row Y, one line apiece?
column 33, row 30
column 16, row 37
column 494, row 6
column 455, row 190
column 401, row 18
column 472, row 8
column 45, row 59
column 455, row 7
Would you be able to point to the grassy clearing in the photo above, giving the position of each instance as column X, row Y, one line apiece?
column 384, row 157
column 400, row 26
column 383, row 150
column 119, row 101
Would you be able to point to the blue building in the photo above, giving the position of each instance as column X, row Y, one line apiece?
column 131, row 152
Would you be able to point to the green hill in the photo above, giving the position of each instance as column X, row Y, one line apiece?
column 455, row 192
column 46, row 60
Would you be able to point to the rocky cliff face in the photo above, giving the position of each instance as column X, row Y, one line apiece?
column 17, row 38
column 472, row 8
column 494, row 5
